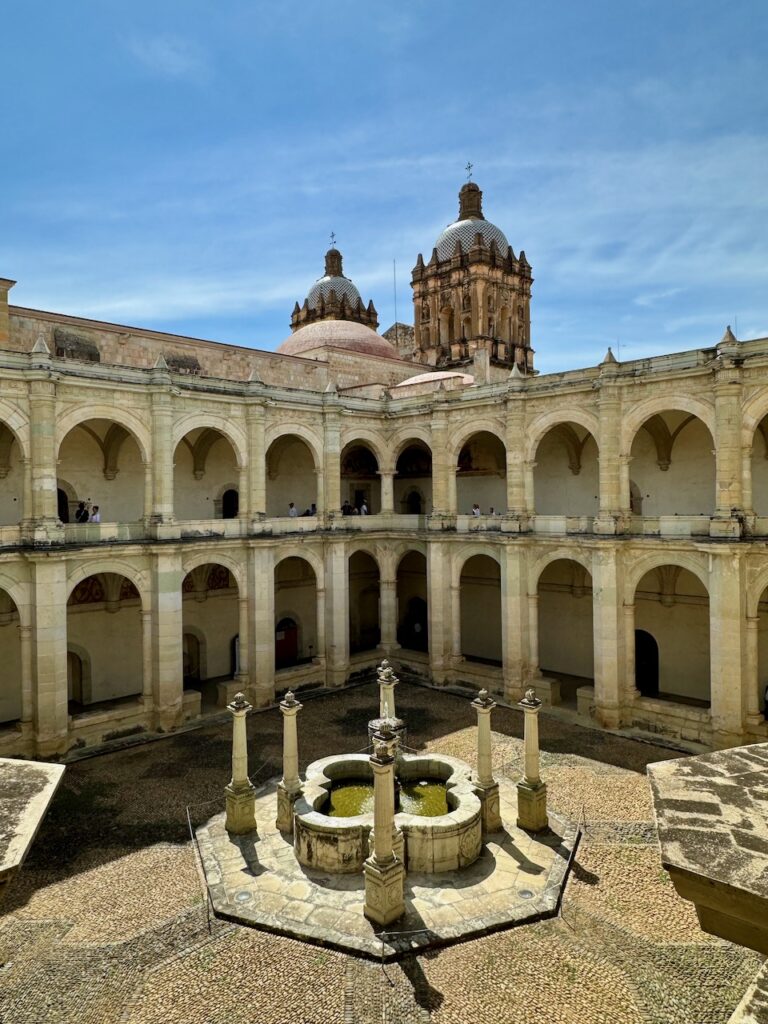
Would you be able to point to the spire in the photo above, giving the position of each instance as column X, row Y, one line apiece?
column 609, row 357
column 729, row 338
column 470, row 202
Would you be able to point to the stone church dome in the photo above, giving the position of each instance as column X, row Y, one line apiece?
column 333, row 280
column 337, row 334
column 470, row 222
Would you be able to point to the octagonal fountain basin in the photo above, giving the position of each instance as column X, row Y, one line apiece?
column 439, row 817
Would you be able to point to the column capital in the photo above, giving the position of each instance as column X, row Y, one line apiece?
column 239, row 706
column 288, row 705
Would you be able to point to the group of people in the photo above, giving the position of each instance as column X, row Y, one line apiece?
column 293, row 512
column 87, row 513
column 477, row 512
column 348, row 509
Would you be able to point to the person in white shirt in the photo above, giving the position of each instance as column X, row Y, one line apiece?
column 292, row 510
column 475, row 509
column 95, row 514
column 363, row 509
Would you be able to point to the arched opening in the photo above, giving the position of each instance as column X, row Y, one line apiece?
column 481, row 475
column 566, row 645
column 646, row 663
column 230, row 504
column 12, row 477
column 204, row 465
column 62, row 505
column 762, row 654
column 291, row 478
column 104, row 642
column 481, row 610
column 295, row 613
column 670, row 603
column 673, row 465
column 210, row 620
column 10, row 659
column 412, row 617
column 565, row 477
column 413, row 480
column 360, row 481
column 760, row 468
column 102, row 464
column 364, row 624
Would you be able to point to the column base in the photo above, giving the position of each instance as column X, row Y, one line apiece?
column 241, row 809
column 532, row 806
column 490, row 807
column 286, row 798
column 261, row 695
column 50, row 745
column 725, row 526
column 384, row 902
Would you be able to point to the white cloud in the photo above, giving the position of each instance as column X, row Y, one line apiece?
column 169, row 55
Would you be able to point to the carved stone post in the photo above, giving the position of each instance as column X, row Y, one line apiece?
column 241, row 795
column 485, row 785
column 383, row 870
column 289, row 786
column 531, row 791
column 387, row 683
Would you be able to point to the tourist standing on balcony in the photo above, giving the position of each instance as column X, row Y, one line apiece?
column 95, row 514
column 363, row 509
column 475, row 509
column 81, row 513
column 292, row 510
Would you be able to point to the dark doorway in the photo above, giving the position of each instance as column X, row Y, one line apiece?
column 286, row 643
column 413, row 631
column 63, row 505
column 230, row 504
column 234, row 656
column 191, row 660
column 414, row 503
column 74, row 678
column 646, row 664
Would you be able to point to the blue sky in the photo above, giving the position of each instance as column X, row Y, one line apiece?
column 180, row 164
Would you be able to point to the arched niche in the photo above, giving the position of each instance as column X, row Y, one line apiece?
column 480, row 596
column 210, row 623
column 10, row 660
column 204, row 469
column 565, row 477
column 100, row 463
column 673, row 465
column 364, row 594
column 481, row 474
column 11, row 478
column 296, row 639
column 566, row 640
column 412, row 606
column 291, row 476
column 413, row 479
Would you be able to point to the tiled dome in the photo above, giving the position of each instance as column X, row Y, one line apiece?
column 338, row 334
column 471, row 220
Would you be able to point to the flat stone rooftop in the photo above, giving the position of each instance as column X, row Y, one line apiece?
column 257, row 881
column 26, row 790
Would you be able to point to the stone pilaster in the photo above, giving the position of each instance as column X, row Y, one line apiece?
column 387, row 477
column 728, row 457
column 49, row 641
column 608, row 636
column 162, row 446
column 439, row 610
column 514, row 631
column 486, row 787
column 383, row 870
column 5, row 326
column 531, row 791
column 728, row 680
column 240, row 794
column 336, row 614
column 43, row 513
column 167, row 629
column 331, row 462
column 257, row 462
column 262, row 617
column 289, row 787
column 614, row 506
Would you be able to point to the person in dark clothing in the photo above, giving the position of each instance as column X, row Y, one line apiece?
column 81, row 513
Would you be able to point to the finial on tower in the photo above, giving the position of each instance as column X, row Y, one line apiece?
column 468, row 169
column 333, row 239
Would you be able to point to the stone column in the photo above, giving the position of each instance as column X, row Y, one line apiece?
column 388, row 606
column 611, row 508
column 728, row 459
column 629, row 693
column 486, row 787
column 289, row 786
column 162, row 446
column 753, row 695
column 42, row 414
column 167, row 629
column 530, row 487
column 146, row 658
column 27, row 685
column 384, row 872
column 727, row 615
column 387, row 477
column 257, row 462
column 240, row 794
column 49, row 630
column 243, row 666
column 531, row 791
column 438, row 609
column 262, row 585
column 443, row 488
column 515, row 437
column 336, row 614
column 387, row 683
column 331, row 468
column 514, row 632
column 607, row 637
column 456, row 622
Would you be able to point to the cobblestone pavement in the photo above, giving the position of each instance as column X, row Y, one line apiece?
column 107, row 922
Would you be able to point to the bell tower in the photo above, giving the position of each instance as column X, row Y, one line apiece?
column 474, row 294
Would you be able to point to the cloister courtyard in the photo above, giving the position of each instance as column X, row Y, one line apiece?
column 108, row 920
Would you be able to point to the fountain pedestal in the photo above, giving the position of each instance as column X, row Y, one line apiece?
column 289, row 787
column 486, row 787
column 240, row 794
column 531, row 791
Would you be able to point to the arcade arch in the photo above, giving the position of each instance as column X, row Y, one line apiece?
column 671, row 602
column 364, row 603
column 673, row 465
column 210, row 629
column 565, row 477
column 296, row 639
column 291, row 476
column 205, row 468
column 480, row 610
column 566, row 644
column 360, row 480
column 11, row 477
column 103, row 616
column 10, row 659
column 413, row 479
column 100, row 463
column 481, row 474
column 412, row 608
column 759, row 468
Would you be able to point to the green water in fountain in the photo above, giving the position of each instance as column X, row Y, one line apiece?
column 349, row 797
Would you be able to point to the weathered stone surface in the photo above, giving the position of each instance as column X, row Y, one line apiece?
column 26, row 790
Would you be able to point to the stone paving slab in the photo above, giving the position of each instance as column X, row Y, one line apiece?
column 255, row 880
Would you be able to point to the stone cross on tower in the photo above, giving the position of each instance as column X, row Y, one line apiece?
column 468, row 169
